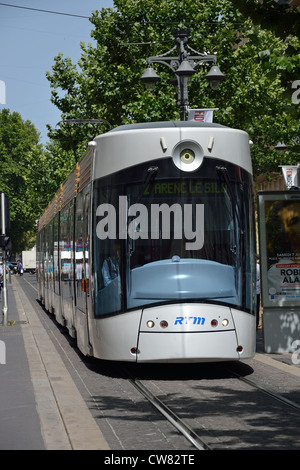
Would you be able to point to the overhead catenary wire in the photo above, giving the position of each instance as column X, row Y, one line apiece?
column 40, row 10
column 44, row 11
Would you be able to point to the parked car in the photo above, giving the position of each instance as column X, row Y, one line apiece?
column 13, row 267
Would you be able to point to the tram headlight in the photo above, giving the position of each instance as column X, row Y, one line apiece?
column 150, row 324
column 187, row 156
column 225, row 322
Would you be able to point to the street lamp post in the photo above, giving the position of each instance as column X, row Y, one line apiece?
column 183, row 67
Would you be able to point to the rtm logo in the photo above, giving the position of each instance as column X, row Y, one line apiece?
column 2, row 353
column 188, row 320
column 295, row 99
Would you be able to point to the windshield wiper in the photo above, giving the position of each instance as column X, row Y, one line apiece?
column 222, row 172
column 148, row 182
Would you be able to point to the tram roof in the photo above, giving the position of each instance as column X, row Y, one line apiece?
column 165, row 124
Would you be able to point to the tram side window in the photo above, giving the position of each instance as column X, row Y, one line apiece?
column 39, row 253
column 50, row 253
column 56, row 253
column 46, row 251
column 86, row 224
column 79, row 252
column 108, row 292
column 66, row 247
column 41, row 261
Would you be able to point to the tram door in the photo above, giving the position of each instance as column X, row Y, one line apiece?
column 56, row 270
column 82, row 267
column 40, row 264
column 48, row 264
column 66, row 263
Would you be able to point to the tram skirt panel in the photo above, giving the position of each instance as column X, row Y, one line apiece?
column 187, row 347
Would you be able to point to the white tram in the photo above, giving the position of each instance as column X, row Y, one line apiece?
column 147, row 252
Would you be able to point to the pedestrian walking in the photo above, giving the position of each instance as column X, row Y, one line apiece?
column 20, row 268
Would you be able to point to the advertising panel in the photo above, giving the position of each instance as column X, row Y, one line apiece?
column 279, row 227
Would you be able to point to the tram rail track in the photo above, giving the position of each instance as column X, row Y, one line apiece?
column 271, row 393
column 182, row 427
column 172, row 417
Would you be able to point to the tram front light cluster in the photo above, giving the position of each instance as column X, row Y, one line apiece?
column 215, row 323
column 164, row 324
column 151, row 324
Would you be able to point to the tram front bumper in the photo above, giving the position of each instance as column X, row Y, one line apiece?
column 187, row 347
column 187, row 333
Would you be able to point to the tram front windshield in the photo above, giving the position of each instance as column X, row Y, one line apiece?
column 163, row 235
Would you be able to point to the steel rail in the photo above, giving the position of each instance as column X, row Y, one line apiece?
column 182, row 427
column 262, row 389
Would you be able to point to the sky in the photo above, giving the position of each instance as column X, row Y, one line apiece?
column 29, row 41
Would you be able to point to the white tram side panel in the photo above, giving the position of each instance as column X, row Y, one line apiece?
column 176, row 200
column 63, row 253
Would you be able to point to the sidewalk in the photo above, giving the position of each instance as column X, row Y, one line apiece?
column 19, row 419
column 40, row 406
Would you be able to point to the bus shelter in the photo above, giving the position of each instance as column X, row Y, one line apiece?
column 279, row 239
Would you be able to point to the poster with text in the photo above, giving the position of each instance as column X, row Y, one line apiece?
column 279, row 214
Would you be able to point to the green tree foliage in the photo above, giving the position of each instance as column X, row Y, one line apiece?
column 279, row 18
column 105, row 82
column 24, row 176
column 280, row 65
